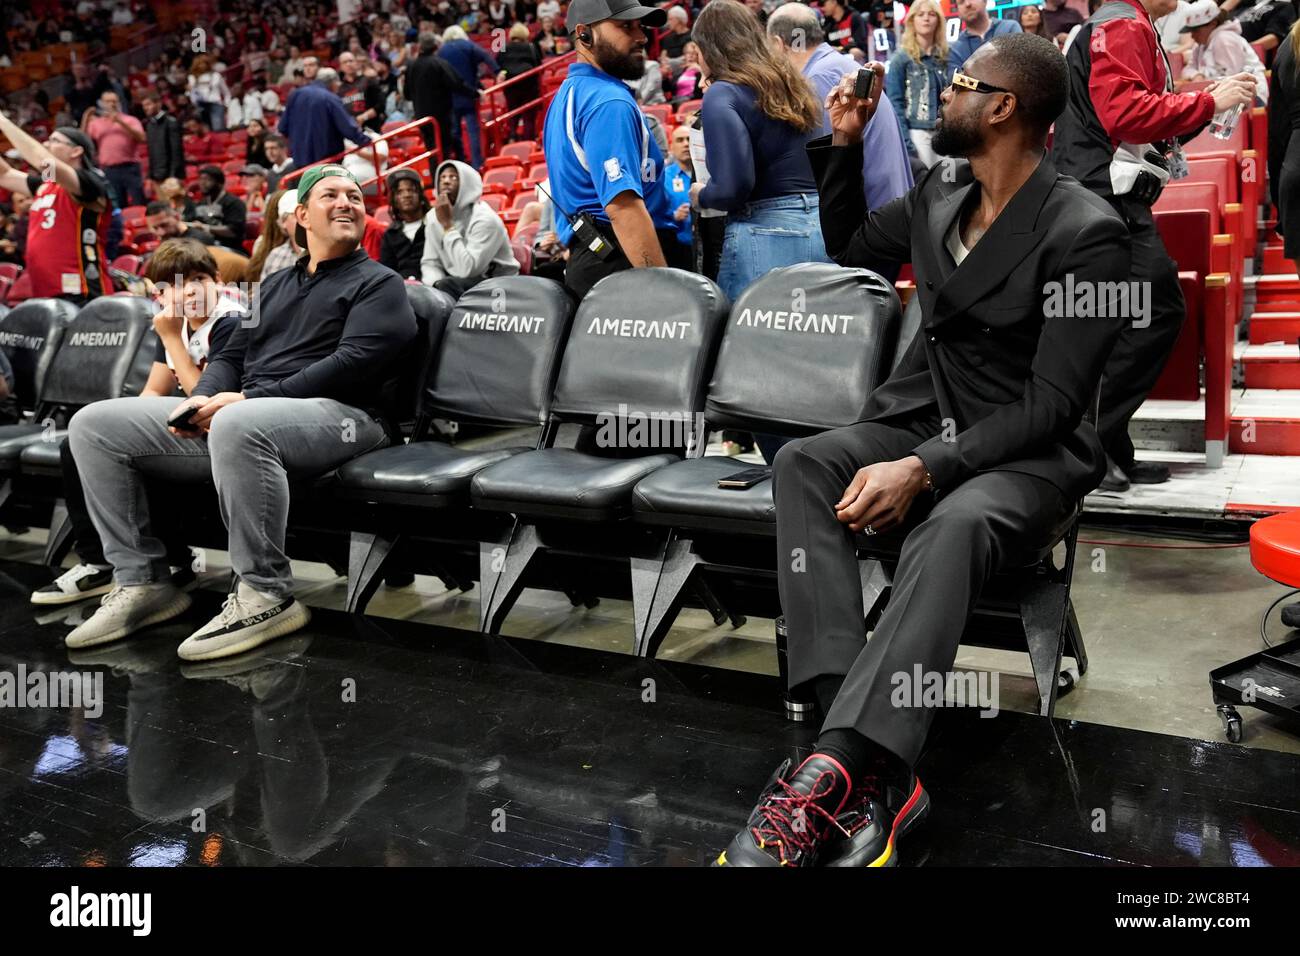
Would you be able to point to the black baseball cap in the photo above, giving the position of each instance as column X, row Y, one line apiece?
column 593, row 11
column 79, row 138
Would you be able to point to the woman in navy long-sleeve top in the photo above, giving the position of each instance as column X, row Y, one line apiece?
column 758, row 114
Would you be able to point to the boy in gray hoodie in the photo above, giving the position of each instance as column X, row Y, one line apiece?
column 465, row 241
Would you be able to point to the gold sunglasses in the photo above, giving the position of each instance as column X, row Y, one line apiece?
column 979, row 86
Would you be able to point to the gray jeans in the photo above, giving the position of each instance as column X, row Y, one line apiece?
column 254, row 448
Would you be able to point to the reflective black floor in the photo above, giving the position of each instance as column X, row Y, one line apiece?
column 377, row 742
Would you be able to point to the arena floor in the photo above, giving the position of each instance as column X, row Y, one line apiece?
column 406, row 738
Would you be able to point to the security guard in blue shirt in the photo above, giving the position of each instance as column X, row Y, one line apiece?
column 606, row 170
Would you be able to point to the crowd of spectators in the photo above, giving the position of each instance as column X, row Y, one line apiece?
column 304, row 86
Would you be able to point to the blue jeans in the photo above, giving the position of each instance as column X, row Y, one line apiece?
column 214, row 114
column 475, row 145
column 768, row 234
column 765, row 235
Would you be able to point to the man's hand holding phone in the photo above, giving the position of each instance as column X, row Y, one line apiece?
column 850, row 112
column 193, row 418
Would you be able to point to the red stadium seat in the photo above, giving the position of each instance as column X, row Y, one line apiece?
column 129, row 263
column 662, row 111
column 239, row 135
column 503, row 177
column 690, row 106
column 21, row 290
column 537, row 173
column 523, row 198
column 232, row 166
column 10, row 271
column 496, row 200
column 495, row 188
column 520, row 150
column 501, row 162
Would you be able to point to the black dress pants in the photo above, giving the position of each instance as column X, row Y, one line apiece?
column 1142, row 349
column 992, row 521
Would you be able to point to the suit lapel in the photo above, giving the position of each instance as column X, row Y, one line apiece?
column 1000, row 251
column 939, row 219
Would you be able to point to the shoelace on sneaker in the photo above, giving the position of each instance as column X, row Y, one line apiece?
column 232, row 610
column 781, row 811
column 855, row 811
column 118, row 595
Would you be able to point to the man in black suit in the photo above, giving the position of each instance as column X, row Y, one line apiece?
column 975, row 448
column 163, row 136
column 429, row 84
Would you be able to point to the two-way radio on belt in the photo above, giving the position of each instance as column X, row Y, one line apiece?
column 584, row 229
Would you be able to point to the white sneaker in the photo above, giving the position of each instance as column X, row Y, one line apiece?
column 126, row 610
column 248, row 619
column 76, row 584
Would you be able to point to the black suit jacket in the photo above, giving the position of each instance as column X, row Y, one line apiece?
column 996, row 355
column 166, row 150
column 430, row 84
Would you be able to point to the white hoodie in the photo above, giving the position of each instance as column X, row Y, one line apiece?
column 476, row 246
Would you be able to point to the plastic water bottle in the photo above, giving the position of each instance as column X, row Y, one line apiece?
column 1224, row 124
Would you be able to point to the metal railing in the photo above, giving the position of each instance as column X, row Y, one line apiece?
column 430, row 157
column 495, row 132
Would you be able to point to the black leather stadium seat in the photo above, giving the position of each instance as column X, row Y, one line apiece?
column 106, row 351
column 30, row 335
column 641, row 349
column 804, row 349
column 496, row 367
column 642, row 345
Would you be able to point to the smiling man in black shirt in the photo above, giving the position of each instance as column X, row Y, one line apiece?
column 299, row 389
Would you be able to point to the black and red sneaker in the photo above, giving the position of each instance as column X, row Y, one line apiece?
column 794, row 817
column 876, row 817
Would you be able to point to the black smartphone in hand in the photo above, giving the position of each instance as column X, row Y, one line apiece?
column 864, row 85
column 181, row 419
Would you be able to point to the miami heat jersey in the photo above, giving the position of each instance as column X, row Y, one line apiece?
column 65, row 241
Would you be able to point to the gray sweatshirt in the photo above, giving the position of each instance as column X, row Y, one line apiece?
column 476, row 246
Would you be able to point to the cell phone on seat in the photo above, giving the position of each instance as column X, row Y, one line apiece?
column 745, row 479
column 181, row 419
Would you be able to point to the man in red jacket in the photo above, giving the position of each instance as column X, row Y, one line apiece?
column 1119, row 136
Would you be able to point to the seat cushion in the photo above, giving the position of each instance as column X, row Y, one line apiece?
column 42, row 457
column 564, row 483
column 1275, row 548
column 686, row 495
column 427, row 472
column 14, row 438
